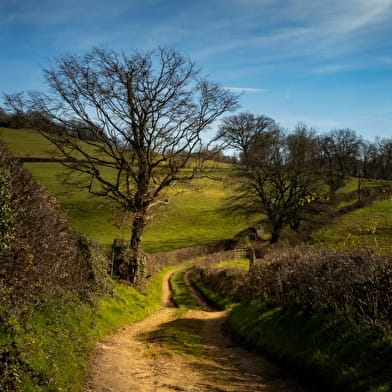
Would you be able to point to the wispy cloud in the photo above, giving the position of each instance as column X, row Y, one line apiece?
column 331, row 69
column 246, row 89
column 385, row 60
column 301, row 27
column 374, row 118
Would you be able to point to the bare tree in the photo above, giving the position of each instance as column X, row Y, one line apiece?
column 276, row 171
column 238, row 131
column 367, row 160
column 145, row 114
column 339, row 153
column 385, row 158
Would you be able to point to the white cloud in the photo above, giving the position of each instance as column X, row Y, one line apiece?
column 300, row 27
column 385, row 60
column 246, row 89
column 331, row 69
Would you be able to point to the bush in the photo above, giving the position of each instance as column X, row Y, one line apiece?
column 43, row 257
column 6, row 218
column 356, row 284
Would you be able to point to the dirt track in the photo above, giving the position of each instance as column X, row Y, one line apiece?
column 145, row 357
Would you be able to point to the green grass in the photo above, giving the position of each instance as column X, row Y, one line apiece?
column 369, row 227
column 180, row 338
column 26, row 143
column 57, row 338
column 242, row 264
column 326, row 350
column 181, row 296
column 193, row 216
column 330, row 351
column 212, row 296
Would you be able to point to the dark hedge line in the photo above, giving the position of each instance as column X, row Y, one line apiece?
column 356, row 284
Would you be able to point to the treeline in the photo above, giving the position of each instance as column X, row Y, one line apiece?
column 340, row 152
column 18, row 119
column 294, row 177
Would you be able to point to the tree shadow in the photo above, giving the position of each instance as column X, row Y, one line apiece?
column 207, row 350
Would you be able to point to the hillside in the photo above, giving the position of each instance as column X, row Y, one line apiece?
column 196, row 209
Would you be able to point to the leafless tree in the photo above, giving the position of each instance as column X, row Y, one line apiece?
column 238, row 131
column 145, row 113
column 385, row 158
column 366, row 163
column 276, row 172
column 339, row 153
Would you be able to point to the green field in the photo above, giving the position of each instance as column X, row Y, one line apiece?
column 368, row 227
column 193, row 216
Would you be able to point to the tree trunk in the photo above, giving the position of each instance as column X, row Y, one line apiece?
column 275, row 235
column 136, row 258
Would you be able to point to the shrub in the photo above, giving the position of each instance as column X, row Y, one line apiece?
column 6, row 217
column 356, row 284
column 43, row 258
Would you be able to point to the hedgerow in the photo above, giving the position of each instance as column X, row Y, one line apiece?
column 356, row 284
column 6, row 217
column 42, row 262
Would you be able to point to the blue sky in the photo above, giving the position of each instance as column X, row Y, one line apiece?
column 325, row 63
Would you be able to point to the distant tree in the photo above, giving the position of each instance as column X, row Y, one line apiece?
column 3, row 118
column 385, row 158
column 339, row 153
column 276, row 172
column 145, row 114
column 238, row 131
column 366, row 164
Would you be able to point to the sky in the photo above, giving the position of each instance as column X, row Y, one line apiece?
column 325, row 63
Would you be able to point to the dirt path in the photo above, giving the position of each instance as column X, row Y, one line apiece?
column 175, row 350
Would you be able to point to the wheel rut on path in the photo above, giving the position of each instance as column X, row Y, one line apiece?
column 181, row 350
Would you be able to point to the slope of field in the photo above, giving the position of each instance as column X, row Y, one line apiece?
column 193, row 216
column 26, row 143
column 368, row 227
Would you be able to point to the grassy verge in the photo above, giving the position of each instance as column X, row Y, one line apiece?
column 214, row 298
column 57, row 339
column 326, row 350
column 242, row 264
column 181, row 296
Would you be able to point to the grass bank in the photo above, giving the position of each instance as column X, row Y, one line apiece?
column 368, row 227
column 54, row 342
column 326, row 350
